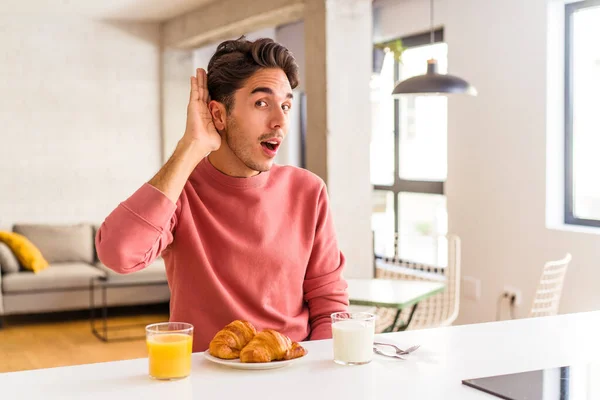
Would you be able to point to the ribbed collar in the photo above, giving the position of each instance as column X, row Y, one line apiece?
column 206, row 168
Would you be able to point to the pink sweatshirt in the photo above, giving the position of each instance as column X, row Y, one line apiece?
column 262, row 249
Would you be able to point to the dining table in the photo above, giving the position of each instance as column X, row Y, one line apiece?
column 446, row 358
column 398, row 294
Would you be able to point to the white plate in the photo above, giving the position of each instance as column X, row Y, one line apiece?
column 240, row 365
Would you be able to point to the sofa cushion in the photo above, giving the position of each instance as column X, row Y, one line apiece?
column 27, row 253
column 153, row 272
column 58, row 276
column 61, row 243
column 8, row 260
column 95, row 229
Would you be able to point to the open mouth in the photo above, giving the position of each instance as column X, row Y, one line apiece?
column 271, row 145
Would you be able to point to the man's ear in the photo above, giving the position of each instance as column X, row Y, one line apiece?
column 218, row 113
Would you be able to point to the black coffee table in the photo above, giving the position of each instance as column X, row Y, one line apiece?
column 105, row 283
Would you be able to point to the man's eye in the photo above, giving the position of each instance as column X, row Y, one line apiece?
column 261, row 103
column 286, row 107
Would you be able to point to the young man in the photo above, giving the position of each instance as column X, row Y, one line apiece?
column 242, row 238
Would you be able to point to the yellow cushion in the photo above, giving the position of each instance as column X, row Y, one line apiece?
column 28, row 255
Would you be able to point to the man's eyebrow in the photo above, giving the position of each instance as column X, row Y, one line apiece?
column 269, row 91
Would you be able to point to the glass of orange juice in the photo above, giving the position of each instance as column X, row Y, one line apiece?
column 169, row 350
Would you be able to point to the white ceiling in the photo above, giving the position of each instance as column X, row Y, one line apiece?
column 138, row 10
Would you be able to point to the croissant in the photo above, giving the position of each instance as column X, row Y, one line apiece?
column 229, row 341
column 270, row 345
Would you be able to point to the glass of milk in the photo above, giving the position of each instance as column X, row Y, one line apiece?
column 353, row 336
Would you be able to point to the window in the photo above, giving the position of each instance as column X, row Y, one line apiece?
column 409, row 157
column 582, row 119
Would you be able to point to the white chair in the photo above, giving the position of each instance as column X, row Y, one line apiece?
column 549, row 290
column 438, row 310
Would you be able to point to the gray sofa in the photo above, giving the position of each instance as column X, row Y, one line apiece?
column 65, row 284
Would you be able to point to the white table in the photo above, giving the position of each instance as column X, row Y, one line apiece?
column 447, row 356
column 392, row 293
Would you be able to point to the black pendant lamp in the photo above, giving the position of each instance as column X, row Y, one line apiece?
column 433, row 83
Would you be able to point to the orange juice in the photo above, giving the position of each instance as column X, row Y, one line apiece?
column 169, row 355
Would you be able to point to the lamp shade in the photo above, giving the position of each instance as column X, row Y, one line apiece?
column 433, row 83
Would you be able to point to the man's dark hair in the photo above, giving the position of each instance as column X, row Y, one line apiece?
column 237, row 60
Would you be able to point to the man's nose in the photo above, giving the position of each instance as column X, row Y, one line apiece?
column 278, row 119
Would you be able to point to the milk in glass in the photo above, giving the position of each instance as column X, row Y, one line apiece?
column 353, row 339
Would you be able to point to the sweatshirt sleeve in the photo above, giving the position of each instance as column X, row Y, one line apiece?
column 136, row 232
column 324, row 288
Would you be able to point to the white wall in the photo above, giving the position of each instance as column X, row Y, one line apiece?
column 292, row 37
column 397, row 18
column 177, row 68
column 497, row 147
column 79, row 116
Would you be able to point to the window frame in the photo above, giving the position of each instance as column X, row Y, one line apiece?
column 569, row 216
column 405, row 185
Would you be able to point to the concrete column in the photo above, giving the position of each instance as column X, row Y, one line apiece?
column 338, row 47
